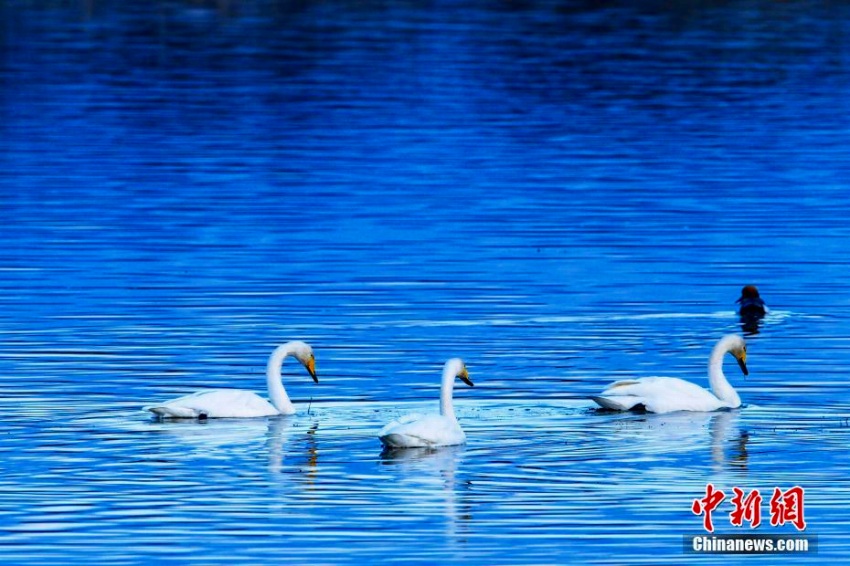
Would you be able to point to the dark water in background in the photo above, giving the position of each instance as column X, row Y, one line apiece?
column 560, row 193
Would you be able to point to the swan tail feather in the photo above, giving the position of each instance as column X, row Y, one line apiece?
column 399, row 440
column 616, row 403
column 173, row 412
column 394, row 440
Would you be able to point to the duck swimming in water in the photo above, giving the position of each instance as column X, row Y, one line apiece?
column 751, row 303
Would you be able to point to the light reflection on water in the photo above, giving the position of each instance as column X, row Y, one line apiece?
column 546, row 474
column 562, row 194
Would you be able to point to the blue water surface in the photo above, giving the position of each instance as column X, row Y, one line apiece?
column 561, row 193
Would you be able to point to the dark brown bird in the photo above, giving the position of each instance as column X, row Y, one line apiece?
column 751, row 304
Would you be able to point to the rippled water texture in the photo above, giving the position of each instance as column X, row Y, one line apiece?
column 562, row 194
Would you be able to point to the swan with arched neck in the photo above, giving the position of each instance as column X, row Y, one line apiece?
column 668, row 394
column 238, row 403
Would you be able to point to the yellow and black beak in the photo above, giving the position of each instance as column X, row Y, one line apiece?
column 464, row 377
column 742, row 361
column 311, row 368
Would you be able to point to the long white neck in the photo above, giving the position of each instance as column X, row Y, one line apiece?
column 277, row 393
column 446, row 389
column 719, row 384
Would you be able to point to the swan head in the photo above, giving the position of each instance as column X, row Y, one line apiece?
column 736, row 346
column 457, row 368
column 303, row 352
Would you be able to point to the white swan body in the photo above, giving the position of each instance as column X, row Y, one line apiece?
column 416, row 431
column 237, row 403
column 668, row 394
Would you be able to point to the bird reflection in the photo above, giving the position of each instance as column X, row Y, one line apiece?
column 211, row 436
column 751, row 310
column 728, row 442
column 241, row 438
column 684, row 431
column 421, row 465
column 750, row 326
column 439, row 455
column 277, row 438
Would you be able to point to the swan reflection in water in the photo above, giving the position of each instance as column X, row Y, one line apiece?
column 428, row 476
column 685, row 432
column 279, row 438
column 725, row 433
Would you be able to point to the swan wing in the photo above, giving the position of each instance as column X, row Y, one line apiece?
column 658, row 395
column 422, row 430
column 215, row 403
column 403, row 420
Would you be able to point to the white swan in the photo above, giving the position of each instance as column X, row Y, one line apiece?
column 235, row 403
column 668, row 394
column 412, row 431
